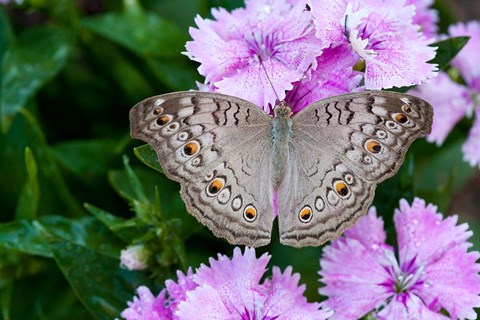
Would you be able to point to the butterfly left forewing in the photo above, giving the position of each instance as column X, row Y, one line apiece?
column 218, row 148
column 360, row 136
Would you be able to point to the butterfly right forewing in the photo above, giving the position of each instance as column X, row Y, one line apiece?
column 341, row 148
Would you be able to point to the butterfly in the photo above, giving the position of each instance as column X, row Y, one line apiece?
column 316, row 170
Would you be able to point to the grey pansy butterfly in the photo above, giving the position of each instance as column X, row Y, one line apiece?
column 324, row 162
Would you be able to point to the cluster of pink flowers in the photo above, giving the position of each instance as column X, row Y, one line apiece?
column 285, row 38
column 434, row 270
column 361, row 273
column 228, row 289
column 300, row 52
column 452, row 101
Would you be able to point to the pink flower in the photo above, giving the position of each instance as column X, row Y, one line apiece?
column 382, row 34
column 434, row 270
column 452, row 101
column 467, row 59
column 425, row 17
column 148, row 307
column 144, row 307
column 275, row 32
column 333, row 76
column 471, row 147
column 228, row 289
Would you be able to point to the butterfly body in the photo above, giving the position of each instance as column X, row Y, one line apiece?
column 323, row 163
column 281, row 137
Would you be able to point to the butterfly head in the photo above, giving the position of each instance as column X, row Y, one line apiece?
column 282, row 111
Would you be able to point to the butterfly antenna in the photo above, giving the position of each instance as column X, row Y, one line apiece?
column 346, row 32
column 268, row 78
column 301, row 79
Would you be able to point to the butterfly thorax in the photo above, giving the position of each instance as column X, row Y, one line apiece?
column 281, row 129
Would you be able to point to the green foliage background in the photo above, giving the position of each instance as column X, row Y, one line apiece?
column 72, row 191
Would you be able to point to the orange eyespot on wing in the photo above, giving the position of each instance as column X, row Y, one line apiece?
column 250, row 213
column 191, row 148
column 305, row 215
column 163, row 120
column 400, row 117
column 341, row 188
column 373, row 146
column 215, row 186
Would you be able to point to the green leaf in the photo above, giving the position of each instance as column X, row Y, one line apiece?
column 6, row 37
column 22, row 235
column 29, row 236
column 86, row 232
column 77, row 157
column 35, row 58
column 439, row 179
column 137, row 186
column 28, row 201
column 97, row 280
column 179, row 74
column 6, row 300
column 124, row 229
column 144, row 33
column 447, row 50
column 147, row 155
column 54, row 193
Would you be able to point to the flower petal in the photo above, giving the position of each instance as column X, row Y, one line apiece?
column 251, row 83
column 146, row 306
column 408, row 306
column 425, row 17
column 423, row 235
column 218, row 56
column 329, row 18
column 334, row 76
column 450, row 103
column 237, row 279
column 467, row 59
column 204, row 303
column 285, row 299
column 471, row 147
column 177, row 290
column 354, row 279
column 453, row 283
column 368, row 230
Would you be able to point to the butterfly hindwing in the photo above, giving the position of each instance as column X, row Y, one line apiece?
column 218, row 147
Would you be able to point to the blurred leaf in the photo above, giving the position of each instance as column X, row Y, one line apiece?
column 22, row 235
column 6, row 37
column 78, row 157
column 144, row 33
column 29, row 236
column 87, row 232
column 178, row 74
column 35, row 58
column 447, row 50
column 97, row 279
column 137, row 186
column 54, row 193
column 28, row 200
column 6, row 300
column 438, row 179
column 124, row 229
column 147, row 155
